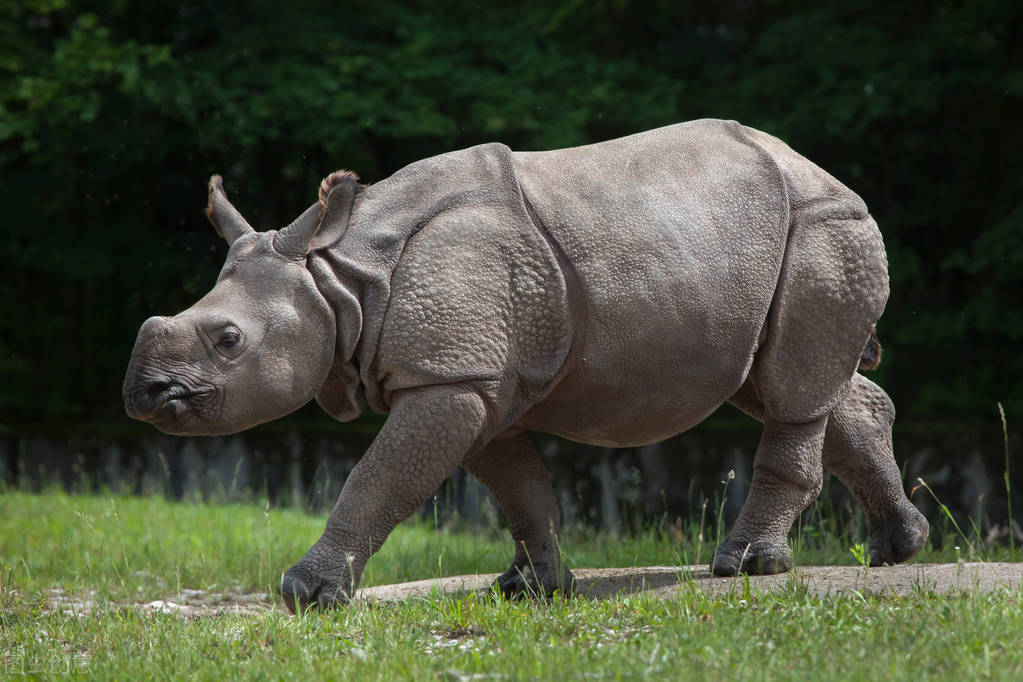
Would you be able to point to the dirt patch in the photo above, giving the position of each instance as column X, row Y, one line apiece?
column 197, row 603
column 186, row 603
column 70, row 604
column 817, row 580
column 598, row 583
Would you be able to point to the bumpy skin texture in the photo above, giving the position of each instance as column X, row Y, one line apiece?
column 615, row 294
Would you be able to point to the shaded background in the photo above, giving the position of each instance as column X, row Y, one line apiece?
column 113, row 115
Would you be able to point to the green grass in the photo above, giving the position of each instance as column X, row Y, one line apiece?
column 128, row 551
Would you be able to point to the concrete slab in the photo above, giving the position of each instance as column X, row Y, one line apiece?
column 819, row 581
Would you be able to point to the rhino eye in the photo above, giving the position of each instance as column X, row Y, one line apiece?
column 228, row 340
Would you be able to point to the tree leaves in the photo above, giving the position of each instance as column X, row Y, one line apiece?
column 112, row 116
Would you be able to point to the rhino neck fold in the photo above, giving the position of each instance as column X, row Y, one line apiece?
column 342, row 394
column 355, row 272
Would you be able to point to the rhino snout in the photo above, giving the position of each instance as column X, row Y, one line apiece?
column 146, row 399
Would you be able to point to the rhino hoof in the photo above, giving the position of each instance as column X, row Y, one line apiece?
column 535, row 580
column 899, row 537
column 757, row 558
column 298, row 596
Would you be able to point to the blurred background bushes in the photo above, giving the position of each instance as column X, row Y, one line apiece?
column 113, row 115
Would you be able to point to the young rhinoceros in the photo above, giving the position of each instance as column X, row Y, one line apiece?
column 614, row 294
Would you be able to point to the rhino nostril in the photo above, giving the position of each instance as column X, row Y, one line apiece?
column 153, row 395
column 155, row 388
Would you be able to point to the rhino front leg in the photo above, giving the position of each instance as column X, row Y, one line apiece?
column 787, row 476
column 511, row 469
column 428, row 433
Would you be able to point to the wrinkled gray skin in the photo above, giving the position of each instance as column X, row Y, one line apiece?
column 614, row 294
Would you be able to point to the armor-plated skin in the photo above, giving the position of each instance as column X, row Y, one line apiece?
column 615, row 294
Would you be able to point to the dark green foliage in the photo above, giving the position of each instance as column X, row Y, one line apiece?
column 113, row 114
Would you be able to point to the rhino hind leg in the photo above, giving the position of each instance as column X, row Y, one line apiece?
column 858, row 451
column 831, row 291
column 511, row 469
column 787, row 477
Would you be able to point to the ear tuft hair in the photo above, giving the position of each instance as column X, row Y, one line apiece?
column 224, row 217
column 330, row 182
column 216, row 183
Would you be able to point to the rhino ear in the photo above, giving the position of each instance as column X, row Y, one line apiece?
column 324, row 222
column 226, row 219
column 292, row 242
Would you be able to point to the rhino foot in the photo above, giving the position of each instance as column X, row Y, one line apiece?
column 897, row 538
column 301, row 591
column 536, row 580
column 756, row 558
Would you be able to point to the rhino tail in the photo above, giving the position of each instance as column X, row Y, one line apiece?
column 870, row 358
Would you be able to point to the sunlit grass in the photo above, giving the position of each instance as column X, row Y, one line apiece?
column 127, row 551
column 130, row 546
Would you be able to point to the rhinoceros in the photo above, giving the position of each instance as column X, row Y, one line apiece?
column 613, row 294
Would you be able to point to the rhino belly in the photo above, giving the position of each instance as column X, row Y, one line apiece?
column 672, row 242
column 654, row 367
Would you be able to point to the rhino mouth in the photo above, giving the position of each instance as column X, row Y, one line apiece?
column 164, row 403
column 170, row 402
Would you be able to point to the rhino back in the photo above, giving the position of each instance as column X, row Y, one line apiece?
column 675, row 239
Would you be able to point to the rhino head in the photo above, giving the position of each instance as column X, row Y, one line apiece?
column 261, row 343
